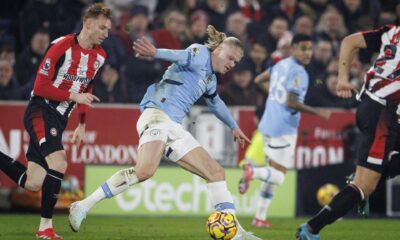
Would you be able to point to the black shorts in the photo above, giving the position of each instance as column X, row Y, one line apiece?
column 45, row 127
column 378, row 126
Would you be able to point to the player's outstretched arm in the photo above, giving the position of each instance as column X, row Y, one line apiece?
column 348, row 48
column 220, row 110
column 293, row 103
column 144, row 49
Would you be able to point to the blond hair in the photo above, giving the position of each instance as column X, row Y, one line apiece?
column 215, row 38
column 95, row 10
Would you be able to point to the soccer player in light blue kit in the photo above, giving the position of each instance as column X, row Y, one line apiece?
column 191, row 76
column 288, row 83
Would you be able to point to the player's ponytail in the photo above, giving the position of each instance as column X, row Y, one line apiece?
column 215, row 38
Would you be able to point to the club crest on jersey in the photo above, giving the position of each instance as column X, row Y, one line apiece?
column 53, row 132
column 195, row 51
column 96, row 64
column 209, row 79
column 154, row 132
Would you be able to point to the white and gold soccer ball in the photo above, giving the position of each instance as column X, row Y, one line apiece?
column 221, row 225
column 326, row 192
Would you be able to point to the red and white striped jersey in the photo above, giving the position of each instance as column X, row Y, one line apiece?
column 382, row 81
column 67, row 68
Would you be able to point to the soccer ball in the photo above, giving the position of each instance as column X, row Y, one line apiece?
column 325, row 193
column 222, row 225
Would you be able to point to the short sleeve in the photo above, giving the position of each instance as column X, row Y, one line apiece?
column 297, row 82
column 373, row 38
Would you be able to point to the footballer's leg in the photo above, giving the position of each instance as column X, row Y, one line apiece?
column 57, row 165
column 13, row 169
column 364, row 184
column 199, row 162
column 149, row 157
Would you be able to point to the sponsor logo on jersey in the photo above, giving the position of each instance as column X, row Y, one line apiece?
column 74, row 78
column 96, row 64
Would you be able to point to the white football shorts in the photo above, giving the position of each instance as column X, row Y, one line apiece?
column 281, row 149
column 154, row 124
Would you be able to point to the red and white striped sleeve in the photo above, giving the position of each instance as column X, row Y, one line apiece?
column 43, row 86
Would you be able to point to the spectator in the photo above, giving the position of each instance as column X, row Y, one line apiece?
column 188, row 7
column 331, row 26
column 283, row 47
column 8, row 53
column 136, row 27
column 258, row 58
column 9, row 89
column 304, row 25
column 325, row 95
column 313, row 8
column 354, row 11
column 275, row 31
column 323, row 53
column 240, row 90
column 287, row 9
column 236, row 25
column 218, row 11
column 29, row 60
column 109, row 89
column 172, row 34
column 197, row 31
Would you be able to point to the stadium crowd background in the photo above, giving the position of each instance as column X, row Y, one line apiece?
column 265, row 27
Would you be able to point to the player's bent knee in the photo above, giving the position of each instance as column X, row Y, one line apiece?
column 216, row 175
column 59, row 166
column 143, row 175
column 33, row 186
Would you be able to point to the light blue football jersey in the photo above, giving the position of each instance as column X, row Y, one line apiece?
column 278, row 119
column 182, row 84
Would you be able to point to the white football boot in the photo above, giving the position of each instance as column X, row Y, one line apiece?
column 76, row 216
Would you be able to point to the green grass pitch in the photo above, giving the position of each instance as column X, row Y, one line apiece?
column 20, row 226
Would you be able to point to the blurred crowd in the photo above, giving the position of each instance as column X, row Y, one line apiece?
column 265, row 28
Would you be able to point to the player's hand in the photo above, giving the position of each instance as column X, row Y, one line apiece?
column 239, row 136
column 344, row 89
column 324, row 113
column 84, row 98
column 78, row 134
column 144, row 49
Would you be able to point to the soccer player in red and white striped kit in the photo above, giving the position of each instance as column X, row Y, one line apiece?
column 64, row 79
column 377, row 118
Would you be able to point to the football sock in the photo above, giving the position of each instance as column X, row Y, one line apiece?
column 116, row 184
column 344, row 201
column 50, row 190
column 13, row 169
column 269, row 174
column 220, row 197
column 264, row 200
column 45, row 223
